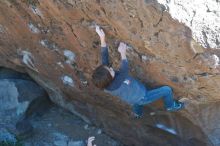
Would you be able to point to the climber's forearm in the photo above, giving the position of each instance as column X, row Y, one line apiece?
column 104, row 55
column 103, row 42
column 123, row 56
column 104, row 49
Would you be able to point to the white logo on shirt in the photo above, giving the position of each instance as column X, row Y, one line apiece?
column 127, row 82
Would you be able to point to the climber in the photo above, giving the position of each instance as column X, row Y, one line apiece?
column 120, row 84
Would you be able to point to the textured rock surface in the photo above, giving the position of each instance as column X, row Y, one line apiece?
column 18, row 96
column 35, row 36
column 203, row 17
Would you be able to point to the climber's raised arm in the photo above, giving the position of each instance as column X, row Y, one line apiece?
column 122, row 48
column 104, row 48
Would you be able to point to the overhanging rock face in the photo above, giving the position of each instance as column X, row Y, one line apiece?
column 55, row 42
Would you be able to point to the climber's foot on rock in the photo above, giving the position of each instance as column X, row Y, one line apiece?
column 177, row 105
column 136, row 116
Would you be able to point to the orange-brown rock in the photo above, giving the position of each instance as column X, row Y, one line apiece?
column 55, row 43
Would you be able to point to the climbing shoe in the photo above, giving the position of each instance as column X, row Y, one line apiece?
column 137, row 111
column 176, row 106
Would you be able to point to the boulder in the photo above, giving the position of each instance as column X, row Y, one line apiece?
column 162, row 51
column 20, row 100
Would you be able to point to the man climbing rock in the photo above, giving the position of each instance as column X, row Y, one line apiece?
column 120, row 84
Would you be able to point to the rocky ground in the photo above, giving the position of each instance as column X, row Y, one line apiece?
column 58, row 127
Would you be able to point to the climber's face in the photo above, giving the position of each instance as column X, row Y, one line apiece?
column 110, row 69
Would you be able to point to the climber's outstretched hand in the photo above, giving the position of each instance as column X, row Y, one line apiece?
column 100, row 32
column 122, row 48
column 90, row 140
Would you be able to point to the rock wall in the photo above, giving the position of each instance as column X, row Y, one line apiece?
column 55, row 43
column 201, row 16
